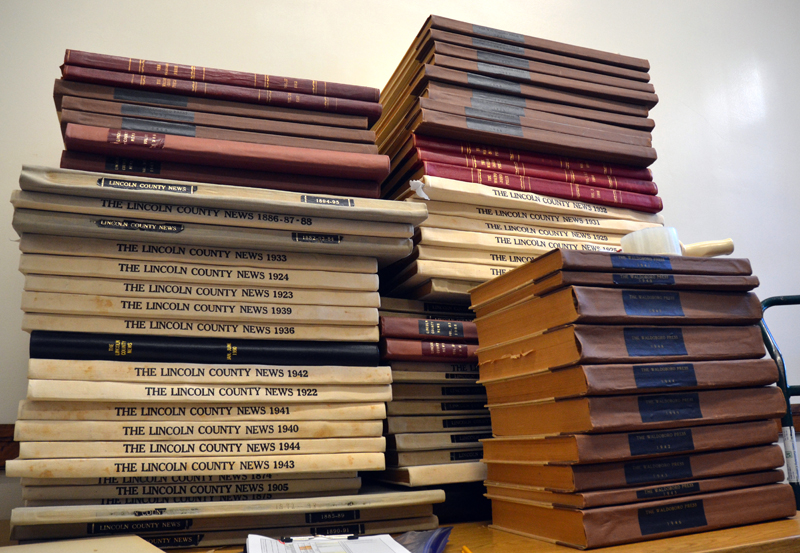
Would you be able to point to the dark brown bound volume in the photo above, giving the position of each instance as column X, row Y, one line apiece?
column 569, row 260
column 238, row 155
column 215, row 133
column 588, row 305
column 595, row 344
column 419, row 329
column 639, row 494
column 222, row 76
column 423, row 350
column 514, row 136
column 371, row 110
column 603, row 448
column 486, row 51
column 582, row 380
column 522, row 75
column 604, row 476
column 638, row 522
column 649, row 281
column 218, row 175
column 63, row 88
column 438, row 22
column 189, row 117
column 636, row 412
column 497, row 154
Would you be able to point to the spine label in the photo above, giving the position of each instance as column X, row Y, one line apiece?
column 465, row 423
column 441, row 328
column 332, row 516
column 122, row 137
column 651, row 443
column 665, row 376
column 670, row 518
column 328, row 200
column 669, row 491
column 465, row 438
column 149, row 186
column 624, row 279
column 669, row 407
column 466, row 455
column 643, row 304
column 462, row 406
column 135, row 526
column 675, row 468
column 649, row 262
column 144, row 226
column 648, row 342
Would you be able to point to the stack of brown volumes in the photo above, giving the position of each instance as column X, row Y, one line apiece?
column 517, row 145
column 201, row 343
column 437, row 414
column 139, row 117
column 629, row 398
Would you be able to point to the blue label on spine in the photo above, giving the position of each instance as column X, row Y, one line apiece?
column 492, row 115
column 144, row 97
column 500, row 59
column 501, row 71
column 648, row 279
column 133, row 110
column 496, row 107
column 669, row 491
column 164, row 127
column 492, row 45
column 498, row 98
column 645, row 303
column 649, row 262
column 658, row 470
column 489, row 126
column 648, row 342
column 669, row 407
column 665, row 376
column 672, row 518
column 662, row 441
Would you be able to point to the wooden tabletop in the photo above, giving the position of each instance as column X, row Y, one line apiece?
column 781, row 536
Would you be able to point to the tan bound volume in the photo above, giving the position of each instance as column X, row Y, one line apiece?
column 139, row 289
column 445, row 289
column 176, row 212
column 434, row 475
column 536, row 217
column 450, row 254
column 66, row 431
column 436, row 440
column 202, row 328
column 83, row 468
column 399, row 425
column 184, row 373
column 519, row 229
column 421, row 271
column 127, row 411
column 136, row 480
column 448, row 190
column 82, row 183
column 59, row 450
column 78, row 390
column 472, row 406
column 194, row 234
column 60, row 265
column 189, row 490
column 500, row 243
column 151, row 251
column 177, row 309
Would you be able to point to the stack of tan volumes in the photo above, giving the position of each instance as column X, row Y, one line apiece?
column 204, row 344
column 517, row 145
column 629, row 398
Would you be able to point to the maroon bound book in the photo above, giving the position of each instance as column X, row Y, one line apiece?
column 117, row 165
column 420, row 329
column 518, row 168
column 226, row 153
column 419, row 350
column 372, row 110
column 565, row 190
column 499, row 153
column 221, row 76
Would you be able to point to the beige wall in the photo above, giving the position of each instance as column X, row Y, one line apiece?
column 727, row 74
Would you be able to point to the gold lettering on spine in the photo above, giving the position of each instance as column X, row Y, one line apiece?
column 191, row 72
column 204, row 73
column 166, row 69
column 68, row 54
column 141, row 66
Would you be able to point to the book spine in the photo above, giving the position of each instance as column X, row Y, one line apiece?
column 133, row 166
column 486, row 163
column 198, row 328
column 432, row 377
column 153, row 251
column 437, row 440
column 398, row 425
column 425, row 407
column 171, row 431
column 138, row 289
column 144, row 448
column 128, row 411
column 193, row 500
column 499, row 154
column 455, row 390
column 424, row 350
column 82, row 468
column 498, row 244
column 221, row 76
column 76, row 390
column 163, row 349
column 143, row 372
column 226, row 153
column 184, row 213
column 109, row 306
column 371, row 110
column 414, row 458
column 555, row 189
column 419, row 329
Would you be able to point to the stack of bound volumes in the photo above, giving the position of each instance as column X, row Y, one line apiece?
column 629, row 398
column 139, row 117
column 517, row 145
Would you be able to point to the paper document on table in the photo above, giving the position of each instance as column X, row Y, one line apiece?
column 383, row 543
